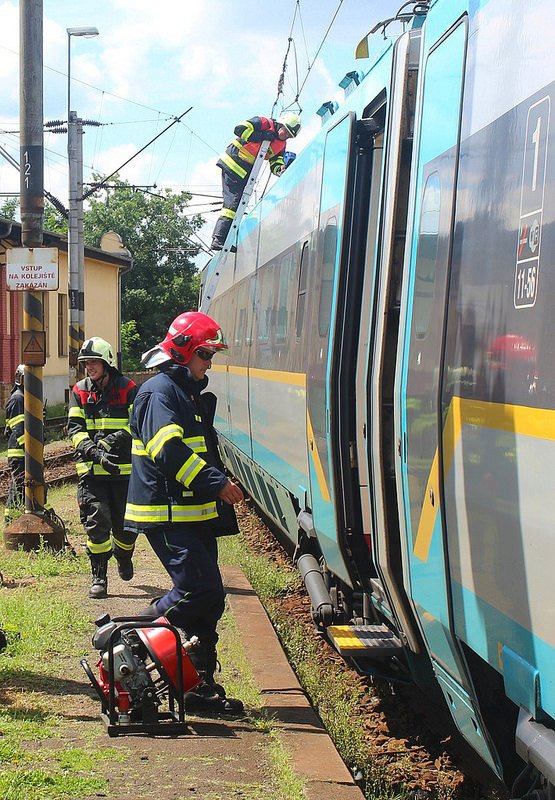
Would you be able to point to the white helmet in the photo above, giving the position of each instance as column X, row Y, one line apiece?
column 19, row 375
column 95, row 347
column 290, row 121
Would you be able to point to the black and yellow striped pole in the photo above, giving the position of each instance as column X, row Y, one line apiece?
column 35, row 526
column 33, row 324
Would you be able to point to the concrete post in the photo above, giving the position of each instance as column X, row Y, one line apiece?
column 33, row 526
column 75, row 192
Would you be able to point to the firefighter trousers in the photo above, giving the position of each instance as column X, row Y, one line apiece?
column 102, row 510
column 195, row 602
column 232, row 190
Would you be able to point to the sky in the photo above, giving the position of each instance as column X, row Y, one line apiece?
column 152, row 61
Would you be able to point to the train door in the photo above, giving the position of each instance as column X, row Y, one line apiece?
column 418, row 411
column 326, row 275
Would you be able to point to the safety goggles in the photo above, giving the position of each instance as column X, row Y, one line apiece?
column 206, row 355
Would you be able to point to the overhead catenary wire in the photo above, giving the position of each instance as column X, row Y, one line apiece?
column 177, row 119
column 281, row 78
column 318, row 51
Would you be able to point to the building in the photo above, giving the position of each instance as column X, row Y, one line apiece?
column 103, row 270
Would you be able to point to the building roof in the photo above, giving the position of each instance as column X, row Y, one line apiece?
column 59, row 241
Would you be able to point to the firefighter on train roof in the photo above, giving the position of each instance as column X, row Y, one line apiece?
column 237, row 162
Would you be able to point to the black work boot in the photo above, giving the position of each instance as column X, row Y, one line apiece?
column 125, row 567
column 209, row 697
column 99, row 567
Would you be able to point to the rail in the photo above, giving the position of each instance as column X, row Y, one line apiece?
column 58, row 468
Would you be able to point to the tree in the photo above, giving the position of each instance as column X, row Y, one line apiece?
column 53, row 220
column 155, row 229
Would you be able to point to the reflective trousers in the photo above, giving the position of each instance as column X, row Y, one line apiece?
column 102, row 510
column 16, row 492
column 232, row 190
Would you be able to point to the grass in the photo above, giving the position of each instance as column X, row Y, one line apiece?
column 40, row 617
column 328, row 689
column 40, row 621
column 239, row 682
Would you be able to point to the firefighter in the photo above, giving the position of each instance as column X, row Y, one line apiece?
column 237, row 161
column 98, row 426
column 179, row 495
column 15, row 433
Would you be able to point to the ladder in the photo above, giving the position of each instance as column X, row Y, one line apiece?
column 217, row 264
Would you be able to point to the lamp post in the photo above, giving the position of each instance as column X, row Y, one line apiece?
column 76, row 249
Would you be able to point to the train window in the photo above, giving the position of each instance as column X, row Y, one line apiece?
column 428, row 236
column 301, row 294
column 326, row 284
column 283, row 294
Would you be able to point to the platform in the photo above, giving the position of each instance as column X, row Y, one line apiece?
column 217, row 757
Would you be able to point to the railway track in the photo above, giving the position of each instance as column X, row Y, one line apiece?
column 59, row 467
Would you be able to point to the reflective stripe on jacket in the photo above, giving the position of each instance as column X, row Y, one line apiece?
column 240, row 155
column 15, row 429
column 94, row 413
column 177, row 473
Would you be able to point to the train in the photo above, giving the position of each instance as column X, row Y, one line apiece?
column 388, row 395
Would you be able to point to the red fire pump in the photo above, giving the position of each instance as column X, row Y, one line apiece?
column 143, row 668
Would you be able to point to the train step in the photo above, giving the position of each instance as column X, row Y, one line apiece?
column 364, row 640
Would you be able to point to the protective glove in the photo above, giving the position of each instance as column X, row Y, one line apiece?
column 117, row 442
column 99, row 456
column 108, row 463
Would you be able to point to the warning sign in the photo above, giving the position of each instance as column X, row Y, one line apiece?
column 33, row 348
column 32, row 269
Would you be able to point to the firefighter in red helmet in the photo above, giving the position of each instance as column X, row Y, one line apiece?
column 237, row 162
column 179, row 495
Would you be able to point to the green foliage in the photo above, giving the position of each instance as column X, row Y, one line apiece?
column 157, row 232
column 53, row 220
column 130, row 342
column 9, row 208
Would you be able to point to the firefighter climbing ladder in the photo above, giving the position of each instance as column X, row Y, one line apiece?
column 217, row 265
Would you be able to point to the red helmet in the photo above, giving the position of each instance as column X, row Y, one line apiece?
column 512, row 348
column 187, row 332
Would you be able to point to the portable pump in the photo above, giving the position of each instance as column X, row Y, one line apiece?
column 143, row 667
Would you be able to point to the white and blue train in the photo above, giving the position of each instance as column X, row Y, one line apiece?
column 388, row 396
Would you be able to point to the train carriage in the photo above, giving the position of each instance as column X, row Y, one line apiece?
column 388, row 394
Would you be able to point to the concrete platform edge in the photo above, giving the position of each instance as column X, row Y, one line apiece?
column 313, row 754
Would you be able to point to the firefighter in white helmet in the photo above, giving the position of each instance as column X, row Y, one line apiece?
column 98, row 426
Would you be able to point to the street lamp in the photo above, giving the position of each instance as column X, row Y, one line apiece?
column 75, row 240
column 88, row 32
